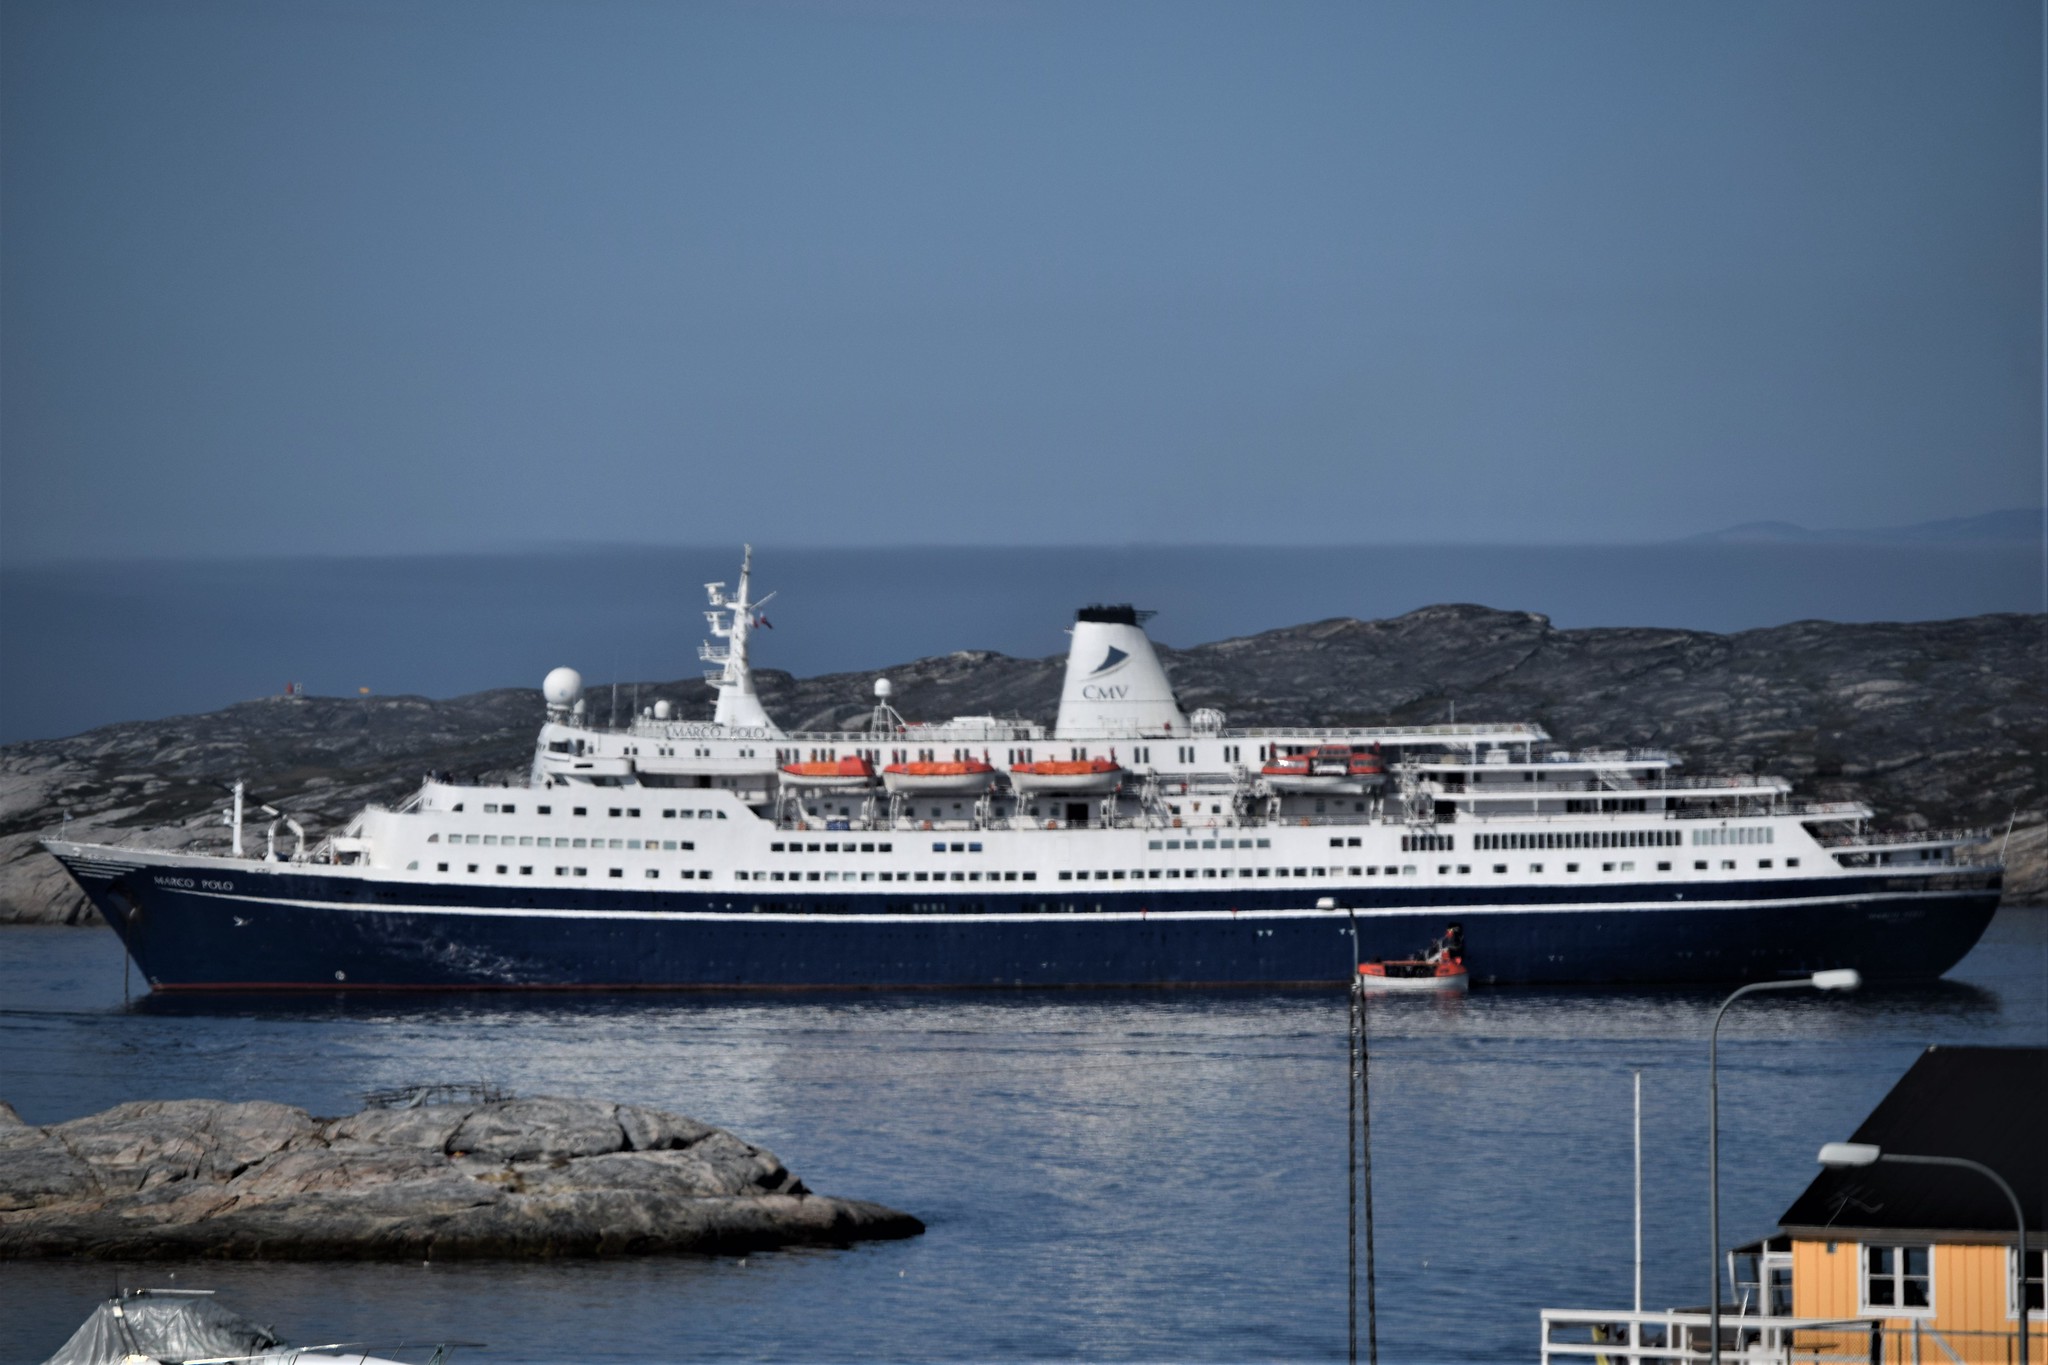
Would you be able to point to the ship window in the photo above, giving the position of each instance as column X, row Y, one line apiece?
column 526, row 872
column 490, row 809
column 667, row 845
column 926, row 876
column 618, row 872
column 1571, row 867
column 1727, row 864
column 526, row 841
column 721, row 815
column 614, row 843
column 435, row 839
column 1265, row 843
column 472, row 867
column 1030, row 876
column 1206, row 843
column 457, row 806
column 1763, row 862
column 440, row 867
column 1628, row 867
column 867, row 848
column 810, row 848
column 938, row 848
column 583, row 872
column 1500, row 867
column 1173, row 843
column 1336, row 843
column 1791, row 862
column 632, row 843
column 579, row 810
column 886, row 848
column 501, row 869
column 1301, row 872
column 615, row 812
column 974, row 848
column 1064, row 876
column 1534, row 867
column 1607, row 867
column 544, row 810
column 775, row 848
column 1699, row 865
column 959, row 848
column 632, row 812
column 1663, row 867
column 1351, row 843
column 561, row 872
column 508, row 810
column 1117, row 875
column 959, row 876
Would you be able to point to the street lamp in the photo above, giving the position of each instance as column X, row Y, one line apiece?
column 1841, row 979
column 1839, row 1156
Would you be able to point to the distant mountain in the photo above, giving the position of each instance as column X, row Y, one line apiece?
column 2012, row 524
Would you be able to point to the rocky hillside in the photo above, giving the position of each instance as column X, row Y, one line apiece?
column 1935, row 723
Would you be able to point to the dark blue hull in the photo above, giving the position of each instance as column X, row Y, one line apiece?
column 257, row 928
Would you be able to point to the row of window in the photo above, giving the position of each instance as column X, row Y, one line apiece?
column 543, row 841
column 1746, row 834
column 1898, row 1281
column 1586, row 838
column 884, row 847
column 1427, row 843
column 615, row 812
column 1171, row 844
column 1112, row 874
column 887, row 876
column 651, row 873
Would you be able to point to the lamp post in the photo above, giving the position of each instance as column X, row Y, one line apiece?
column 1359, row 1125
column 1842, row 979
column 1837, row 1156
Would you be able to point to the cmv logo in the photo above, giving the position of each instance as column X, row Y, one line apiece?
column 1095, row 693
column 1109, row 661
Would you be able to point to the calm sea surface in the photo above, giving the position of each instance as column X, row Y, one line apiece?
column 88, row 644
column 1106, row 1177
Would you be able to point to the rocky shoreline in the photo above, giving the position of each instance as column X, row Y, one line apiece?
column 1934, row 723
column 177, row 1179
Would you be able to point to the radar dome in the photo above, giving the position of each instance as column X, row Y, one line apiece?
column 882, row 688
column 563, row 687
column 662, row 710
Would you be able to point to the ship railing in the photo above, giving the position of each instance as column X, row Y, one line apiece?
column 1613, row 758
column 1510, row 790
column 1621, row 1337
column 1906, row 837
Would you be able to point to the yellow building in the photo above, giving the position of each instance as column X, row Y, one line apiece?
column 1926, row 1250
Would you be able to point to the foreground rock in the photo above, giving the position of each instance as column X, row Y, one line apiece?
column 530, row 1177
column 1935, row 723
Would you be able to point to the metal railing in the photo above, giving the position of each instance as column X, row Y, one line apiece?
column 1894, row 838
column 1620, row 1337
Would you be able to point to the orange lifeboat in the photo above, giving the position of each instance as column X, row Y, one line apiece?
column 1086, row 776
column 845, row 772
column 1325, row 768
column 962, row 776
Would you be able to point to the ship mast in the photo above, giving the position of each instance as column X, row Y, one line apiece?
column 731, row 621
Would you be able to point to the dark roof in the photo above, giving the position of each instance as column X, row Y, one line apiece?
column 1989, row 1104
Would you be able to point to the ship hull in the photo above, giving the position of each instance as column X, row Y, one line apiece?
column 278, row 928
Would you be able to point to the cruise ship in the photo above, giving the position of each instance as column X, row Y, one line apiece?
column 1128, row 845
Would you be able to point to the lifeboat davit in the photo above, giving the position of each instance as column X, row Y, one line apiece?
column 1442, row 968
column 845, row 772
column 1092, row 776
column 965, row 776
column 1325, row 768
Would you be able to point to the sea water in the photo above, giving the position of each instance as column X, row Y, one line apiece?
column 1125, row 1177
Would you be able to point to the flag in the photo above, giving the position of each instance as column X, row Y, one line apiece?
column 764, row 623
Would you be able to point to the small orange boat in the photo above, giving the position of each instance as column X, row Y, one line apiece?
column 1080, row 776
column 845, row 772
column 962, row 776
column 1442, row 968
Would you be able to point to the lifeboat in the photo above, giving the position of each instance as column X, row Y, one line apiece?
column 1441, row 968
column 1087, row 776
column 845, row 772
column 1325, row 768
column 930, row 779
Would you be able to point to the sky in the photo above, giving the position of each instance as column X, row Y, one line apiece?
column 391, row 278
